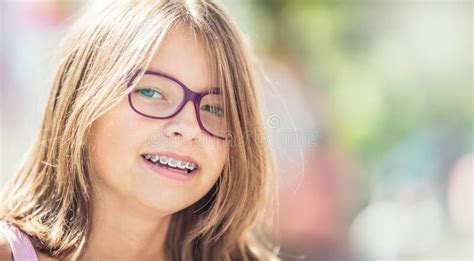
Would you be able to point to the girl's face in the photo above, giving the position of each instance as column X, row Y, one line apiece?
column 121, row 138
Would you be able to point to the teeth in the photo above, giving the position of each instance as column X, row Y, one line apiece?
column 190, row 165
column 182, row 164
column 171, row 162
column 164, row 160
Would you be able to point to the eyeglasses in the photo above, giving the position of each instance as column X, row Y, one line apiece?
column 160, row 96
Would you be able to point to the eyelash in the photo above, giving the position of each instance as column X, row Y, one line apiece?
column 216, row 110
column 219, row 112
column 149, row 89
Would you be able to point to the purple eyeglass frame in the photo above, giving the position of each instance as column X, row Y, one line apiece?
column 189, row 95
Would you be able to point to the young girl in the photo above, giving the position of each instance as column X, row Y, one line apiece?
column 151, row 146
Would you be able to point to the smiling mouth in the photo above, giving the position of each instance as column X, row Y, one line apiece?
column 181, row 166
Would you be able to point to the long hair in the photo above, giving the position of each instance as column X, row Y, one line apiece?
column 49, row 198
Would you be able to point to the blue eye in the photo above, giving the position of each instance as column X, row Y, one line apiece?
column 150, row 93
column 218, row 111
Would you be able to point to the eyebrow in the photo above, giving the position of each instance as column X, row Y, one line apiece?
column 214, row 90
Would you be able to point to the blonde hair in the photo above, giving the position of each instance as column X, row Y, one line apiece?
column 49, row 198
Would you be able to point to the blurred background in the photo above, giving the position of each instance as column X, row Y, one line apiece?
column 369, row 107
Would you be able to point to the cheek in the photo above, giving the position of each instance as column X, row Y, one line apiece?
column 114, row 145
column 217, row 157
column 117, row 140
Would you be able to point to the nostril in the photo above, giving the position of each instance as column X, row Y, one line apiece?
column 177, row 134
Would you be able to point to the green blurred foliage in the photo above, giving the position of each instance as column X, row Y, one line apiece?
column 377, row 94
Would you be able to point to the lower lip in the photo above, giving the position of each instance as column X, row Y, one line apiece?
column 163, row 171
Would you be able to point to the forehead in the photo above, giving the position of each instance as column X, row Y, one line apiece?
column 184, row 56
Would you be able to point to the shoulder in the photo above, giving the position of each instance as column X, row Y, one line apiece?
column 5, row 252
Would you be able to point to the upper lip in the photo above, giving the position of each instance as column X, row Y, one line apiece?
column 175, row 156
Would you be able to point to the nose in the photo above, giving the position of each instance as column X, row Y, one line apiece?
column 184, row 124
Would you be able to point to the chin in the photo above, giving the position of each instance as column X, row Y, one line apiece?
column 163, row 204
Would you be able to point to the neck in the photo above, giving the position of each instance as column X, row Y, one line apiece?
column 125, row 230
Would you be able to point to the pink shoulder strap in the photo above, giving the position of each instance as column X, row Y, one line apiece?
column 20, row 244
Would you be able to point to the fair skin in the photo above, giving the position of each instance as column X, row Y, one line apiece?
column 132, row 205
column 135, row 205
